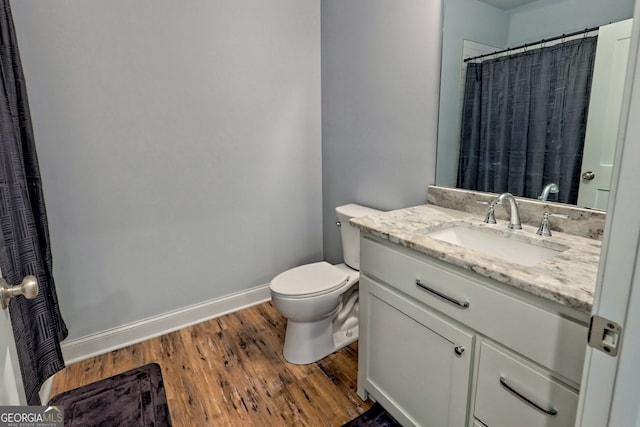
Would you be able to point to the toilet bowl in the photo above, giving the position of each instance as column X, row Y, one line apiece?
column 320, row 300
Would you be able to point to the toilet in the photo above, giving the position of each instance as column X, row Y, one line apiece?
column 320, row 300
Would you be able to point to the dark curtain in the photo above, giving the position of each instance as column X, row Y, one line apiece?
column 24, row 248
column 524, row 120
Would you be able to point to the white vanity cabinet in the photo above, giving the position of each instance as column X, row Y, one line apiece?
column 416, row 361
column 435, row 341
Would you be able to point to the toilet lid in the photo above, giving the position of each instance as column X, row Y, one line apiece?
column 308, row 279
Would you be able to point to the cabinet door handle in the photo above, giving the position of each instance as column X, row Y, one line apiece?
column 503, row 383
column 461, row 304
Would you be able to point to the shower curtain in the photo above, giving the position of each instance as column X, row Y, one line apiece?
column 38, row 326
column 524, row 121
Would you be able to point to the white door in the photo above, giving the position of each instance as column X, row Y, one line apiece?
column 611, row 385
column 11, row 388
column 604, row 114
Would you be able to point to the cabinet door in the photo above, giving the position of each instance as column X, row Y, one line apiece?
column 413, row 362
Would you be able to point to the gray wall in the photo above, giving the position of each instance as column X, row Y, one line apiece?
column 380, row 79
column 179, row 144
column 463, row 20
column 548, row 18
column 479, row 22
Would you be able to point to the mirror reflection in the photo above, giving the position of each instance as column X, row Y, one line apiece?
column 541, row 121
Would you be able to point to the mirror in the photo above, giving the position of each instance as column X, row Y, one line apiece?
column 502, row 24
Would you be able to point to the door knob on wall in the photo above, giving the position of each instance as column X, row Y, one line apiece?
column 28, row 288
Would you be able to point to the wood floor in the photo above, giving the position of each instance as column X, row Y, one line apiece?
column 229, row 371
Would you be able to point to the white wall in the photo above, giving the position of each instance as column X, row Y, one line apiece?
column 380, row 80
column 179, row 144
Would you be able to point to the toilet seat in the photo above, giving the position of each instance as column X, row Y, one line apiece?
column 309, row 280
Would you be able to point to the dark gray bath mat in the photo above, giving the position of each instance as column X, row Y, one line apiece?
column 376, row 416
column 134, row 398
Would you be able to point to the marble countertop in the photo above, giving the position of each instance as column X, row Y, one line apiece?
column 568, row 278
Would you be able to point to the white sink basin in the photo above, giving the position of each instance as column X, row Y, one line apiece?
column 496, row 245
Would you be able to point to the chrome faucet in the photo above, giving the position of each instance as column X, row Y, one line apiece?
column 514, row 221
column 550, row 188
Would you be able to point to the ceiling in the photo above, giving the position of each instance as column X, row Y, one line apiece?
column 507, row 4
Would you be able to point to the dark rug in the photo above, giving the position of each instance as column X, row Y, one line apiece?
column 375, row 416
column 131, row 399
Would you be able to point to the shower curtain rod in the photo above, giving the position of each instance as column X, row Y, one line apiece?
column 497, row 52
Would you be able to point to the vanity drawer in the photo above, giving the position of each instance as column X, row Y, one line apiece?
column 509, row 320
column 510, row 393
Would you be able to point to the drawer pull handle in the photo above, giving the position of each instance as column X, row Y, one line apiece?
column 503, row 382
column 460, row 304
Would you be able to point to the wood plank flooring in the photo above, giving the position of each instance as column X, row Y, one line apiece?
column 230, row 371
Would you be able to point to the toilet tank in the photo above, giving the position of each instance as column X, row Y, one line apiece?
column 351, row 235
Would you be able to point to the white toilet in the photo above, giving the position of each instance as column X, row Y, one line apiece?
column 320, row 300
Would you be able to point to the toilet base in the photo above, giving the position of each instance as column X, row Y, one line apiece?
column 344, row 338
column 309, row 342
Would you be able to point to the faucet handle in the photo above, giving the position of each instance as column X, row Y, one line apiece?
column 490, row 217
column 545, row 229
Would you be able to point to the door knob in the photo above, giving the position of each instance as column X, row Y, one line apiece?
column 28, row 288
column 588, row 175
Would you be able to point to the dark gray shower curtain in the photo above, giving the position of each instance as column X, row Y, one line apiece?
column 24, row 239
column 524, row 120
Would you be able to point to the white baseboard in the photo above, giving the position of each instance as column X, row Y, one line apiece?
column 112, row 339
